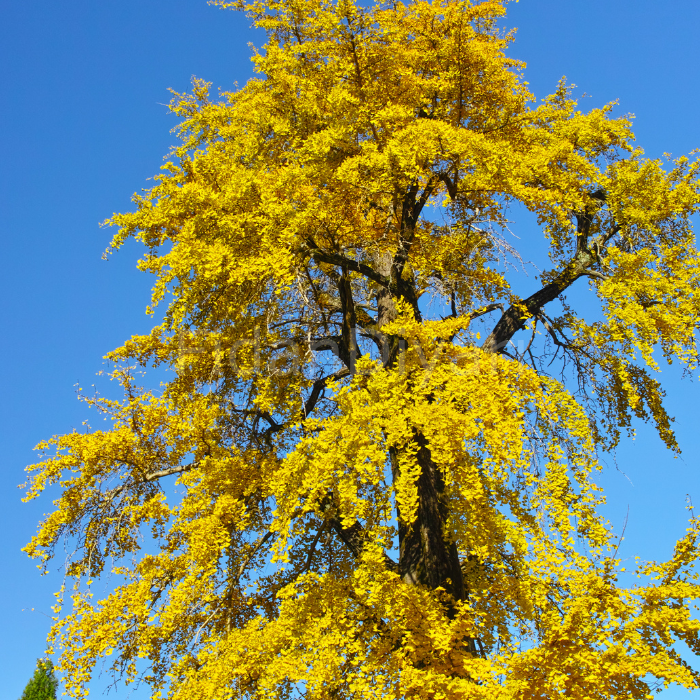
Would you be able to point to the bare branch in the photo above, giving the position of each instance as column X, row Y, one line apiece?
column 153, row 476
column 596, row 274
column 251, row 554
column 320, row 255
column 517, row 315
column 317, row 389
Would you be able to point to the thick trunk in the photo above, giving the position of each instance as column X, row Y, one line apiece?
column 425, row 554
column 348, row 341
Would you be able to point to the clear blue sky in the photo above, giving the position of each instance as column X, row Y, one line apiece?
column 83, row 125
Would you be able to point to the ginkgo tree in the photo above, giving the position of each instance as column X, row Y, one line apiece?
column 372, row 470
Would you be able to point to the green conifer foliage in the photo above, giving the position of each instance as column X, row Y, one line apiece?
column 43, row 683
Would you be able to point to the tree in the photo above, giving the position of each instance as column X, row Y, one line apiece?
column 372, row 474
column 43, row 683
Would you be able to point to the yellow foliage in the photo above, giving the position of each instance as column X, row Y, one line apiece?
column 344, row 490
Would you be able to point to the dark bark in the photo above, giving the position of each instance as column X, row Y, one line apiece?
column 517, row 315
column 425, row 554
column 324, row 256
column 348, row 341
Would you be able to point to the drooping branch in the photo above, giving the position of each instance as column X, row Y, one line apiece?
column 258, row 414
column 484, row 310
column 355, row 539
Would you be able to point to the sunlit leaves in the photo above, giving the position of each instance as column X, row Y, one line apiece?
column 324, row 241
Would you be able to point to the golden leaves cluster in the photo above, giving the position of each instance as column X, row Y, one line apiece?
column 222, row 505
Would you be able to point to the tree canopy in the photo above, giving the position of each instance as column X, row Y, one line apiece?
column 372, row 472
column 43, row 684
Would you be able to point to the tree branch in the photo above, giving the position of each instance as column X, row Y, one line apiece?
column 520, row 312
column 318, row 386
column 320, row 255
column 354, row 538
column 153, row 476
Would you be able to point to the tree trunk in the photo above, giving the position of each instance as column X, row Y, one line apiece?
column 425, row 554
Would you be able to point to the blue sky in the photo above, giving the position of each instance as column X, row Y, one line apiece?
column 84, row 125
